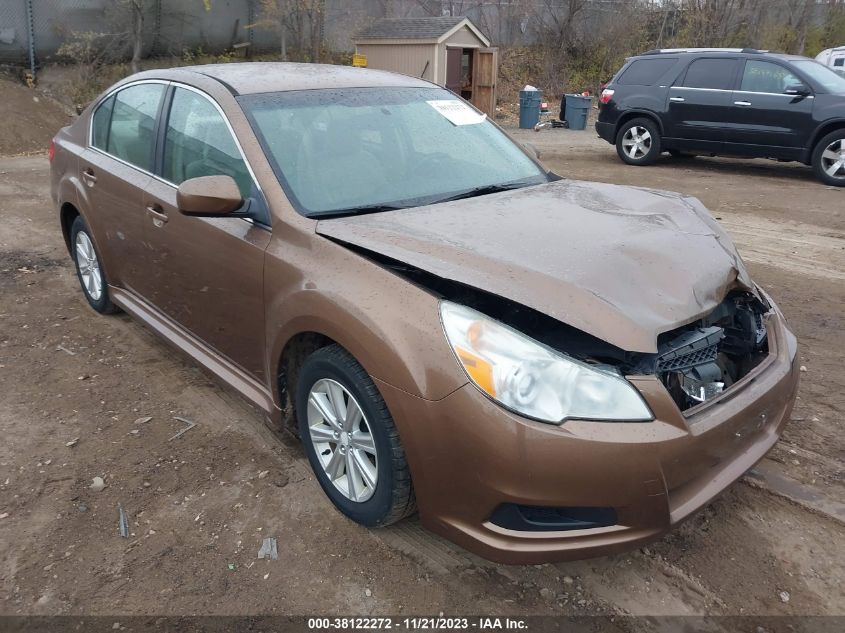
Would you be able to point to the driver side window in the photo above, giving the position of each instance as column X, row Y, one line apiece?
column 762, row 76
column 198, row 143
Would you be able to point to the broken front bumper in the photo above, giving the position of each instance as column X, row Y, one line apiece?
column 468, row 457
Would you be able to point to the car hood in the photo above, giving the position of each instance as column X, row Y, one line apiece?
column 621, row 263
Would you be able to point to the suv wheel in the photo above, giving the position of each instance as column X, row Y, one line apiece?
column 638, row 142
column 351, row 441
column 829, row 159
column 89, row 268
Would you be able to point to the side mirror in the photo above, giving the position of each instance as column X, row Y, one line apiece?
column 532, row 150
column 209, row 196
column 798, row 90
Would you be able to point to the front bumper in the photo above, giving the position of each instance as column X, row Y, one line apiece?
column 468, row 456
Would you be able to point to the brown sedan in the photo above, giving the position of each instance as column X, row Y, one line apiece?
column 545, row 369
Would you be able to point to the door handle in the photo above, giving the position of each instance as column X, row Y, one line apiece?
column 677, row 99
column 89, row 177
column 744, row 104
column 157, row 214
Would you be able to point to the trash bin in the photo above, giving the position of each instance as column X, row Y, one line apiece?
column 529, row 108
column 577, row 110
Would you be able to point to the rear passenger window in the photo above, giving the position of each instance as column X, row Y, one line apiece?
column 100, row 124
column 133, row 124
column 198, row 143
column 646, row 72
column 839, row 63
column 712, row 73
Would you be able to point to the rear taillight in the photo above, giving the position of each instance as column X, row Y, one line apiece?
column 606, row 95
column 51, row 152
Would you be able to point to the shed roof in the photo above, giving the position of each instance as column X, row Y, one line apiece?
column 436, row 29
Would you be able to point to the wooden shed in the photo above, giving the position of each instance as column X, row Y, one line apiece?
column 449, row 51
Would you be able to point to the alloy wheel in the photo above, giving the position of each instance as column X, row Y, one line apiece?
column 89, row 266
column 636, row 142
column 342, row 440
column 833, row 159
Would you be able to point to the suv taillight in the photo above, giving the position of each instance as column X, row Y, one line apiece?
column 51, row 152
column 606, row 95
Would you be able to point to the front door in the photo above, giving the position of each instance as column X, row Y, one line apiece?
column 207, row 273
column 767, row 121
column 700, row 103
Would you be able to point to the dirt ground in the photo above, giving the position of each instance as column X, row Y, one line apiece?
column 86, row 396
column 29, row 117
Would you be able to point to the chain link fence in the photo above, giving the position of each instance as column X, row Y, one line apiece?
column 32, row 32
column 16, row 32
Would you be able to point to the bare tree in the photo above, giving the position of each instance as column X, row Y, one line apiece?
column 276, row 15
column 136, row 9
column 298, row 23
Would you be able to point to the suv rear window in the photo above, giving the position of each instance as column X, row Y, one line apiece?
column 712, row 73
column 646, row 72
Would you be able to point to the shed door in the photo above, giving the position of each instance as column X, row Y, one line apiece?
column 484, row 79
column 453, row 69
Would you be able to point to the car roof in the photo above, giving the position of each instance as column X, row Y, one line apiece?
column 728, row 52
column 243, row 78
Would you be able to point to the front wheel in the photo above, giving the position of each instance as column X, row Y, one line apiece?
column 351, row 441
column 829, row 159
column 638, row 142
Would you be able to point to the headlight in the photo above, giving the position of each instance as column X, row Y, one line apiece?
column 532, row 379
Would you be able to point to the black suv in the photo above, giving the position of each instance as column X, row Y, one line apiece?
column 732, row 102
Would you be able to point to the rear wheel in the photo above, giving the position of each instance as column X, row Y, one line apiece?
column 829, row 159
column 351, row 441
column 638, row 142
column 89, row 268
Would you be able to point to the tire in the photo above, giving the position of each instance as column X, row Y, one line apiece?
column 825, row 159
column 646, row 139
column 89, row 270
column 330, row 375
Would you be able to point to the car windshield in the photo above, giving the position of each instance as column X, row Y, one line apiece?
column 344, row 151
column 820, row 73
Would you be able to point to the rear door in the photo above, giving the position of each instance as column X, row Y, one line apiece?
column 206, row 274
column 116, row 169
column 767, row 121
column 699, row 103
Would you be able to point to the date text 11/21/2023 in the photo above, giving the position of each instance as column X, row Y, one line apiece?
column 418, row 623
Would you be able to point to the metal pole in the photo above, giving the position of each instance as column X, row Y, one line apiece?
column 321, row 30
column 31, row 27
column 250, row 10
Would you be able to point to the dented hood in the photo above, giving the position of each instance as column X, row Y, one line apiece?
column 621, row 263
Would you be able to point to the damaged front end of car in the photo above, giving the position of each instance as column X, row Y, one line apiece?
column 704, row 358
column 631, row 281
column 626, row 365
column 695, row 362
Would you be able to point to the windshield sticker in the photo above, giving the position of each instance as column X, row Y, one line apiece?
column 458, row 112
